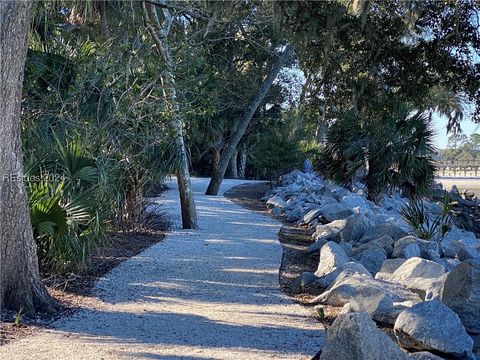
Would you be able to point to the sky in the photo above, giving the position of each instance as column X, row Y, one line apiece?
column 439, row 123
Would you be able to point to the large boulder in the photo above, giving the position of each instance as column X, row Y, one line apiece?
column 276, row 202
column 390, row 265
column 355, row 227
column 355, row 202
column 372, row 259
column 332, row 261
column 456, row 240
column 411, row 246
column 424, row 277
column 430, row 325
column 461, row 292
column 324, row 233
column 391, row 229
column 415, row 268
column 355, row 336
column 350, row 269
column 381, row 299
column 384, row 242
column 334, row 211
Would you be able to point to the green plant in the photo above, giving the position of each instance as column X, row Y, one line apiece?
column 392, row 147
column 423, row 225
column 66, row 204
column 275, row 154
column 18, row 317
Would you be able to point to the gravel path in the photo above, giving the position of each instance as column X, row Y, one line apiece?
column 207, row 294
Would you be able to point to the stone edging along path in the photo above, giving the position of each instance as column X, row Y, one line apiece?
column 211, row 293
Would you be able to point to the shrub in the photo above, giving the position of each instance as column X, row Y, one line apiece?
column 393, row 150
column 424, row 226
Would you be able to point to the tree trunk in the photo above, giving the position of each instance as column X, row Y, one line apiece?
column 20, row 284
column 241, row 127
column 321, row 126
column 243, row 161
column 159, row 33
column 233, row 167
column 299, row 120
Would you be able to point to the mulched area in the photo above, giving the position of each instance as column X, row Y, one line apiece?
column 295, row 259
column 73, row 290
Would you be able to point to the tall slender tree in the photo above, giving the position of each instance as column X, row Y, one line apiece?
column 159, row 28
column 20, row 284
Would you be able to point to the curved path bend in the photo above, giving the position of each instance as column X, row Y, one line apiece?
column 212, row 293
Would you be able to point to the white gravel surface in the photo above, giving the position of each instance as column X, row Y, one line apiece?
column 211, row 293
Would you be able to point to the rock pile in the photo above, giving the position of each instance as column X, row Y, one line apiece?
column 373, row 267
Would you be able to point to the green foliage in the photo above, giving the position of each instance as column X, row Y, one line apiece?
column 424, row 226
column 276, row 154
column 461, row 147
column 393, row 149
column 411, row 51
column 67, row 208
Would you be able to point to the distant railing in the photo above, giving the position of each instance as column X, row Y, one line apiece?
column 458, row 168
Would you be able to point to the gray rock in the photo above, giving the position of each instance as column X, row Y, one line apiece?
column 276, row 211
column 350, row 269
column 461, row 293
column 423, row 355
column 276, row 202
column 448, row 263
column 467, row 252
column 309, row 283
column 389, row 228
column 384, row 243
column 327, row 232
column 430, row 325
column 406, row 251
column 324, row 192
column 426, row 288
column 382, row 300
column 332, row 260
column 334, row 211
column 355, row 227
column 390, row 265
column 417, row 268
column 348, row 248
column 405, row 248
column 339, row 192
column 356, row 337
column 352, row 201
column 311, row 215
column 372, row 260
column 476, row 345
column 456, row 239
column 424, row 277
column 317, row 245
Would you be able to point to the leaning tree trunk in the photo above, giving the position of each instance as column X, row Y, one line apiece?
column 241, row 127
column 159, row 33
column 20, row 284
